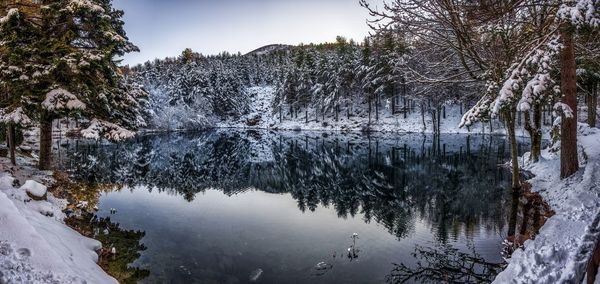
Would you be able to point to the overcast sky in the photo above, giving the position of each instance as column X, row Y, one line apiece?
column 164, row 28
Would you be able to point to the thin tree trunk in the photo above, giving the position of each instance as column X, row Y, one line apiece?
column 45, row 142
column 369, row 109
column 423, row 117
column 593, row 104
column 377, row 108
column 405, row 108
column 439, row 119
column 434, row 121
column 569, row 162
column 514, row 155
column 535, row 133
column 11, row 144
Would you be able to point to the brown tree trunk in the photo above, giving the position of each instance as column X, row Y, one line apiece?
column 514, row 155
column 593, row 104
column 569, row 163
column 45, row 142
column 11, row 144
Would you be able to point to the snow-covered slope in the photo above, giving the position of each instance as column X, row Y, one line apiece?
column 37, row 247
column 561, row 250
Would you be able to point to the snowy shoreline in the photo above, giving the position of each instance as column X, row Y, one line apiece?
column 36, row 246
column 559, row 252
column 565, row 243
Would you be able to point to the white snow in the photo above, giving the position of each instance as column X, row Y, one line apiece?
column 261, row 99
column 560, row 252
column 59, row 99
column 37, row 247
column 16, row 116
column 11, row 13
column 34, row 188
column 99, row 128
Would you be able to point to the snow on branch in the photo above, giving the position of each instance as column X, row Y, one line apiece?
column 563, row 109
column 580, row 12
column 16, row 116
column 14, row 12
column 85, row 4
column 478, row 112
column 100, row 128
column 61, row 99
column 537, row 87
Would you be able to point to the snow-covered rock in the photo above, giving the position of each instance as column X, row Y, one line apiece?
column 35, row 189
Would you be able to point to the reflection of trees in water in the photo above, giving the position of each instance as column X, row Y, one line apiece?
column 444, row 264
column 454, row 185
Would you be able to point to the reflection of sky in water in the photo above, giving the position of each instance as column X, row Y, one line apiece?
column 418, row 194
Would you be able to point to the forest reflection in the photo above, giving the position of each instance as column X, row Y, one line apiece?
column 453, row 181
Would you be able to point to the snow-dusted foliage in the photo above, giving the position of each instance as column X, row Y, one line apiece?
column 317, row 82
column 13, row 12
column 196, row 91
column 16, row 116
column 104, row 129
column 580, row 12
column 60, row 99
column 61, row 64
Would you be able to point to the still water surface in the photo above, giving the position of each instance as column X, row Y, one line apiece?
column 306, row 207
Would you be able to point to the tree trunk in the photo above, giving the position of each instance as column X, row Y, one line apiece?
column 348, row 110
column 423, row 116
column 11, row 144
column 592, row 104
column 306, row 114
column 369, row 109
column 45, row 141
column 405, row 108
column 534, row 128
column 569, row 162
column 434, row 121
column 512, row 139
column 439, row 120
column 377, row 108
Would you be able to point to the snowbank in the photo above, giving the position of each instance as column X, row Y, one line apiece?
column 35, row 244
column 560, row 252
column 34, row 188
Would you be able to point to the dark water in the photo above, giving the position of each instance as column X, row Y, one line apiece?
column 231, row 206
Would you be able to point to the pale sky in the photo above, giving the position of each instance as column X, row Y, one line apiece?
column 163, row 28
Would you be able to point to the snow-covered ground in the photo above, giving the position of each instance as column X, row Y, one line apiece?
column 560, row 252
column 36, row 246
column 261, row 99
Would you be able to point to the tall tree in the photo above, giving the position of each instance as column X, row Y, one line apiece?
column 76, row 46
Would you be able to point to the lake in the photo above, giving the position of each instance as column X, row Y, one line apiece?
column 232, row 206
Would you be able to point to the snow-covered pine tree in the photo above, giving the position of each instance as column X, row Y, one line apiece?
column 18, row 35
column 77, row 43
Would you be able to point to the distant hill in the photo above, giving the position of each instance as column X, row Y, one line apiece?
column 270, row 48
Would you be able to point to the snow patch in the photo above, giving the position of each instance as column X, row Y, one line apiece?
column 34, row 188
